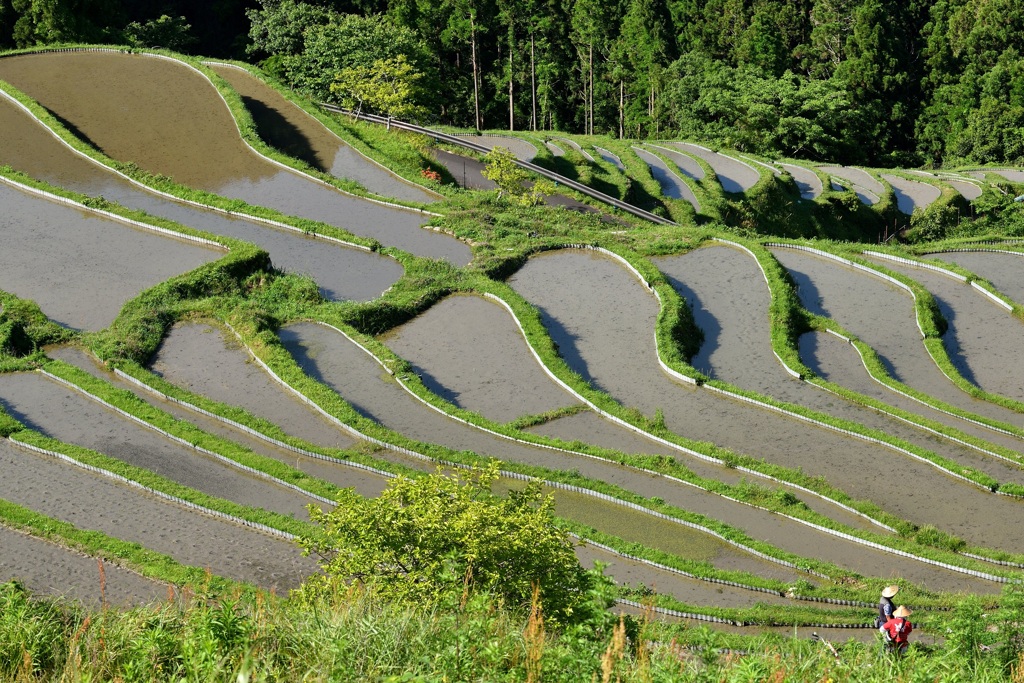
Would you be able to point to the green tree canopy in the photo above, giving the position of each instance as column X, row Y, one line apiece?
column 440, row 534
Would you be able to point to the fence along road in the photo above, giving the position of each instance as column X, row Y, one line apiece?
column 551, row 175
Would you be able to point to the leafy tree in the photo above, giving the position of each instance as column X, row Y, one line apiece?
column 423, row 538
column 388, row 87
column 56, row 21
column 167, row 32
column 277, row 26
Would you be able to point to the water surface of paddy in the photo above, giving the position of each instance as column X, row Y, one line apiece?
column 602, row 319
column 912, row 194
column 206, row 361
column 1004, row 269
column 291, row 130
column 66, row 415
column 734, row 175
column 883, row 316
column 726, row 290
column 807, row 181
column 169, row 119
column 365, row 483
column 79, row 266
column 984, row 341
column 342, row 273
column 91, row 501
column 470, row 351
column 671, row 185
column 50, row 570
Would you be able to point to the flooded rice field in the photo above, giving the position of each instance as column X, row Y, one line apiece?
column 342, row 273
column 92, row 501
column 289, row 129
column 602, row 320
column 61, row 413
column 733, row 174
column 523, row 150
column 610, row 158
column 172, row 121
column 970, row 191
column 807, row 181
column 911, row 194
column 1004, row 269
column 686, row 164
column 672, row 186
column 575, row 145
column 867, row 189
column 79, row 266
column 985, row 342
column 882, row 316
column 727, row 293
column 208, row 361
column 365, row 483
column 484, row 364
column 50, row 570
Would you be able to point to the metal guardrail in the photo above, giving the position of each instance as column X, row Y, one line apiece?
column 550, row 175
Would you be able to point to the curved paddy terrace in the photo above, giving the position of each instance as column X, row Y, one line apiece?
column 807, row 181
column 322, row 353
column 686, row 164
column 672, row 186
column 290, row 129
column 522, row 149
column 912, row 194
column 365, row 483
column 602, row 319
column 92, row 501
column 169, row 119
column 984, row 341
column 207, row 361
column 483, row 364
column 721, row 286
column 734, row 175
column 610, row 157
column 869, row 190
column 55, row 410
column 81, row 266
column 1002, row 268
column 343, row 273
column 52, row 570
column 883, row 316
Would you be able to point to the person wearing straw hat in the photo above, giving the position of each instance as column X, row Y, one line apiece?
column 897, row 630
column 885, row 606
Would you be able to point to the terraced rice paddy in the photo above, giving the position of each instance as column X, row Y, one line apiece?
column 172, row 121
column 48, row 245
column 342, row 273
column 640, row 467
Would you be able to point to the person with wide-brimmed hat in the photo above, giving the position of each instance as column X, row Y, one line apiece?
column 897, row 630
column 885, row 606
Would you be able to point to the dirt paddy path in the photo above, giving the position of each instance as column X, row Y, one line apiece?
column 1004, row 269
column 79, row 266
column 365, row 483
column 329, row 357
column 208, row 361
column 985, row 342
column 671, row 185
column 170, row 120
column 288, row 128
column 882, row 316
column 734, row 175
column 726, row 290
column 50, row 570
column 602, row 318
column 66, row 415
column 469, row 351
column 91, row 501
column 343, row 273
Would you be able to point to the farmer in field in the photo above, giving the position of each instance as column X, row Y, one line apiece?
column 897, row 630
column 885, row 606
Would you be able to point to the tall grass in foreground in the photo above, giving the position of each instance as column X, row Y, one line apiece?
column 363, row 638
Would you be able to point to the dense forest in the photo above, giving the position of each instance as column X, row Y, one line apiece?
column 915, row 82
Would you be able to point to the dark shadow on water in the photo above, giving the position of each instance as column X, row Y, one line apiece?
column 292, row 342
column 74, row 130
column 707, row 324
column 566, row 344
column 435, row 385
column 280, row 134
column 952, row 343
